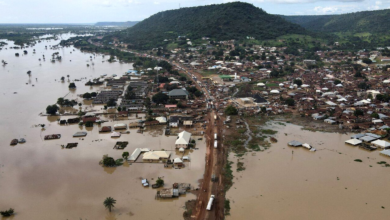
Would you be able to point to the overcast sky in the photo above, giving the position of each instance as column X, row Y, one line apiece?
column 91, row 11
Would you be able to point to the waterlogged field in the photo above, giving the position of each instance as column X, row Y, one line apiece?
column 293, row 183
column 41, row 180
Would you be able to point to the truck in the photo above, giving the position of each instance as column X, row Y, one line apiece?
column 215, row 136
column 215, row 144
column 210, row 203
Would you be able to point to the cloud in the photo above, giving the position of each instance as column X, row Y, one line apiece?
column 337, row 9
column 311, row 1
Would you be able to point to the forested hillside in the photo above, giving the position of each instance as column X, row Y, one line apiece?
column 366, row 21
column 220, row 22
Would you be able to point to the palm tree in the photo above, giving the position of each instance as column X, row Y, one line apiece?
column 109, row 203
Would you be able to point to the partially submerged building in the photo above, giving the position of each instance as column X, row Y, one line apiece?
column 183, row 140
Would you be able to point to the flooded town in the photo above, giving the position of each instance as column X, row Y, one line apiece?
column 99, row 122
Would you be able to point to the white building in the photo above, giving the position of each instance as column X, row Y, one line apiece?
column 183, row 139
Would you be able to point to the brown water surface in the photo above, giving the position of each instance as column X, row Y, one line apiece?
column 40, row 180
column 294, row 183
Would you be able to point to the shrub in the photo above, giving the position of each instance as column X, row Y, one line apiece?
column 7, row 213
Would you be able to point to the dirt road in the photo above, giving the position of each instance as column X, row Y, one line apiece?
column 215, row 160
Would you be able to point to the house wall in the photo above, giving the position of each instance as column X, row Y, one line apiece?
column 181, row 145
column 174, row 124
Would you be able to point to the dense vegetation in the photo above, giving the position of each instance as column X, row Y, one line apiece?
column 365, row 21
column 220, row 22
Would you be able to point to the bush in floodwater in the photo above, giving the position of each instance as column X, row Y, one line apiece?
column 108, row 161
column 119, row 162
column 358, row 160
column 52, row 109
column 240, row 166
column 89, row 124
column 72, row 86
column 227, row 207
column 160, row 182
column 268, row 131
column 254, row 147
column 7, row 213
column 382, row 162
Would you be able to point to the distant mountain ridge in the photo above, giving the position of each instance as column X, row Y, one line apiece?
column 235, row 20
column 365, row 21
column 119, row 24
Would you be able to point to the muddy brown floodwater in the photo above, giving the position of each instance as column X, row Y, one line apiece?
column 294, row 183
column 40, row 180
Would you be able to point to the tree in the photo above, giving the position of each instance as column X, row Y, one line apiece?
column 160, row 182
column 60, row 101
column 298, row 82
column 62, row 78
column 111, row 102
column 363, row 85
column 93, row 94
column 89, row 124
column 125, row 155
column 375, row 115
column 119, row 109
column 52, row 109
column 160, row 98
column 367, row 61
column 130, row 94
column 7, row 213
column 108, row 161
column 358, row 74
column 72, row 85
column 198, row 93
column 87, row 95
column 336, row 82
column 274, row 73
column 358, row 112
column 109, row 203
column 231, row 110
column 290, row 102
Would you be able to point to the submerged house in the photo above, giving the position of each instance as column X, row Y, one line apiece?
column 183, row 140
column 156, row 155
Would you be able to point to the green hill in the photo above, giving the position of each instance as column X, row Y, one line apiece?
column 235, row 20
column 365, row 21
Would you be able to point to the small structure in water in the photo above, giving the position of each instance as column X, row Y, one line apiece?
column 105, row 129
column 22, row 140
column 80, row 134
column 115, row 134
column 145, row 182
column 385, row 152
column 121, row 145
column 308, row 146
column 294, row 143
column 299, row 144
column 52, row 136
column 168, row 193
column 353, row 142
column 71, row 145
column 14, row 142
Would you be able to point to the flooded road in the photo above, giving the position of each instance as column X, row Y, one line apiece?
column 41, row 180
column 294, row 183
